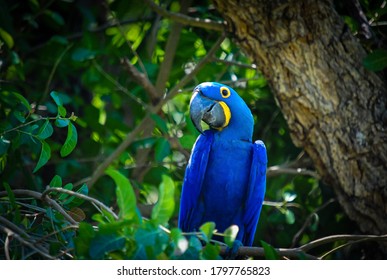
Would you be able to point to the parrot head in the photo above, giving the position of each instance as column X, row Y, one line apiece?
column 222, row 109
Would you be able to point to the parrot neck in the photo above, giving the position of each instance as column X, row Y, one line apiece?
column 240, row 128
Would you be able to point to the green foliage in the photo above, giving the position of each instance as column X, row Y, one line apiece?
column 270, row 252
column 376, row 61
column 67, row 102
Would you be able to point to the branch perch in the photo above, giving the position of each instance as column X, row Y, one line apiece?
column 187, row 20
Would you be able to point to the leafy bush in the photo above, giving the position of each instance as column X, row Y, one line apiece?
column 94, row 121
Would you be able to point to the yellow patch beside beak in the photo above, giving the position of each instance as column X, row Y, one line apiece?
column 227, row 113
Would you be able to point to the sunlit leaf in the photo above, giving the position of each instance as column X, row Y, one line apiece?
column 126, row 199
column 230, row 235
column 165, row 205
column 208, row 230
column 7, row 38
column 290, row 218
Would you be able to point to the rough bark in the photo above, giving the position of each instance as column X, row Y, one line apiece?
column 335, row 108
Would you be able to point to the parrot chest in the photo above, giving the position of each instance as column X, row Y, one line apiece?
column 226, row 179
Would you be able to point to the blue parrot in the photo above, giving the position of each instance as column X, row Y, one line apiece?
column 225, row 179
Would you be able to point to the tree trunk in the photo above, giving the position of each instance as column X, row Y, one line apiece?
column 335, row 108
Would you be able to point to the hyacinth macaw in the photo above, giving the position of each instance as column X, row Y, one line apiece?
column 225, row 179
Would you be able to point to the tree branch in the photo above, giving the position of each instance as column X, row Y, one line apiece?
column 13, row 230
column 142, row 80
column 341, row 237
column 25, row 242
column 296, row 253
column 279, row 170
column 82, row 196
column 99, row 171
column 187, row 20
column 49, row 201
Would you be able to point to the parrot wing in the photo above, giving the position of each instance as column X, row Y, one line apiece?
column 255, row 192
column 193, row 180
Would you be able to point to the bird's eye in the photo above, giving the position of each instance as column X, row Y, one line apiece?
column 225, row 92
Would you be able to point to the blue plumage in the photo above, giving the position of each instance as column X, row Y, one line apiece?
column 226, row 175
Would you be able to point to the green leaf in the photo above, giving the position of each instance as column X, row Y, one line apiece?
column 230, row 234
column 45, row 155
column 4, row 145
column 45, row 130
column 208, row 230
column 73, row 201
column 82, row 242
column 22, row 100
column 56, row 182
column 161, row 124
column 103, row 244
column 270, row 252
column 57, row 18
column 187, row 141
column 165, row 205
column 12, row 200
column 63, row 196
column 180, row 241
column 57, row 99
column 62, row 111
column 211, row 252
column 7, row 38
column 126, row 199
column 290, row 218
column 162, row 149
column 376, row 61
column 71, row 141
column 62, row 122
column 82, row 54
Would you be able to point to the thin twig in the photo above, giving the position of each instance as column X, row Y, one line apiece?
column 340, row 237
column 260, row 252
column 302, row 250
column 82, row 196
column 170, row 49
column 279, row 170
column 6, row 246
column 53, row 70
column 308, row 220
column 49, row 201
column 281, row 204
column 141, row 79
column 184, row 19
column 235, row 63
column 134, row 52
column 9, row 232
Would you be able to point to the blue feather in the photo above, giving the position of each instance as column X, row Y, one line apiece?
column 226, row 175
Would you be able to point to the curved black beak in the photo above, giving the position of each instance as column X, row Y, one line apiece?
column 208, row 110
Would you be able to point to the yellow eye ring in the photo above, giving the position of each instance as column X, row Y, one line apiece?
column 225, row 92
